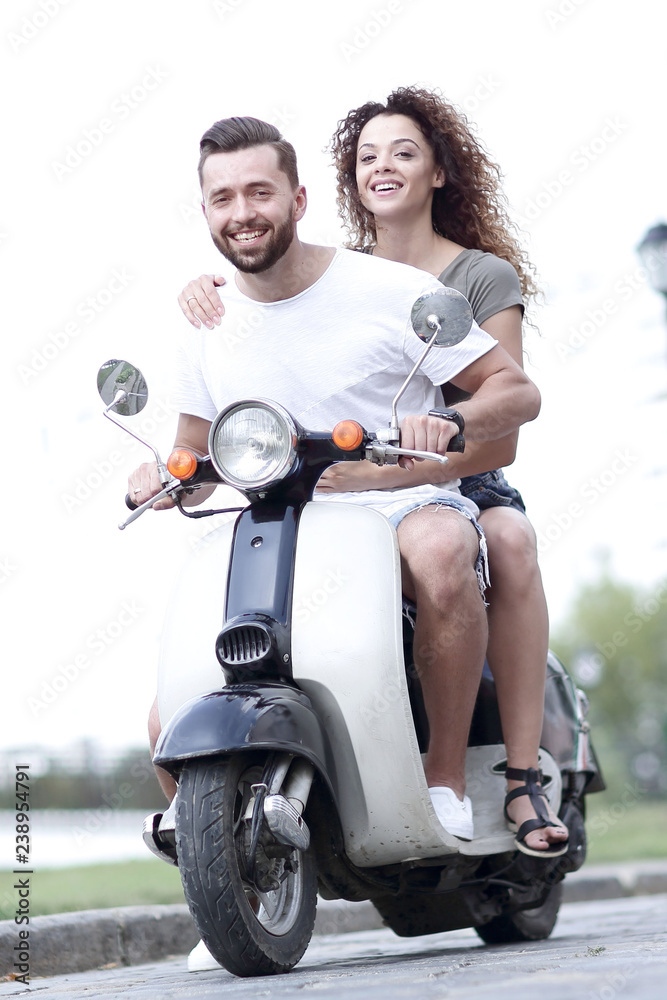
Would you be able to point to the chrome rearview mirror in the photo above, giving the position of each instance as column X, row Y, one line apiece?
column 441, row 318
column 122, row 387
column 445, row 313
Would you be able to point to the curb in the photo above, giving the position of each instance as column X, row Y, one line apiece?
column 133, row 935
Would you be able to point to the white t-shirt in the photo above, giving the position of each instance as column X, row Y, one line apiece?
column 339, row 350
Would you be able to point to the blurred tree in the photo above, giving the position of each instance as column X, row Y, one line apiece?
column 614, row 641
column 82, row 778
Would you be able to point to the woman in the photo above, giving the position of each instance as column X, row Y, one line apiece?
column 415, row 186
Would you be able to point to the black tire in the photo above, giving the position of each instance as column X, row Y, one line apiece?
column 524, row 925
column 251, row 931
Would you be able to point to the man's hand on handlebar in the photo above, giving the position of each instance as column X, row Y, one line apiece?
column 423, row 433
column 144, row 483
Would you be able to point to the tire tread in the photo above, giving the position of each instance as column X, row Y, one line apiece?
column 212, row 882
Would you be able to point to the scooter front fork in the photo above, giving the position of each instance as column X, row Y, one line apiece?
column 282, row 796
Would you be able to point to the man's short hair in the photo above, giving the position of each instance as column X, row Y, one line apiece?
column 230, row 134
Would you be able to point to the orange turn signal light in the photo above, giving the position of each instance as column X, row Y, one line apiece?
column 182, row 464
column 347, row 435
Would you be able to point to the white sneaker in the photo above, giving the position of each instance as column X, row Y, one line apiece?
column 452, row 813
column 201, row 960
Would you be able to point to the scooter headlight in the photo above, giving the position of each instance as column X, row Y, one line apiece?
column 253, row 444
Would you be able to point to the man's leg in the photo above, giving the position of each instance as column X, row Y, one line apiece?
column 167, row 783
column 439, row 549
column 200, row 958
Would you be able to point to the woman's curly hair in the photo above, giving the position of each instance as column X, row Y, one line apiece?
column 469, row 210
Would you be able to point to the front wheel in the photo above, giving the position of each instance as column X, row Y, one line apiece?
column 255, row 915
column 524, row 925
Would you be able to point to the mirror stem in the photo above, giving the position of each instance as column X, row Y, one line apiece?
column 433, row 324
column 161, row 467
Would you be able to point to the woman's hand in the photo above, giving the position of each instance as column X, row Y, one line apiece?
column 353, row 477
column 200, row 301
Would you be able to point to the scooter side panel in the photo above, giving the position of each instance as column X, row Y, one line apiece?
column 187, row 664
column 347, row 649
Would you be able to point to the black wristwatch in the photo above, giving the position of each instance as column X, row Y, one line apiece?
column 447, row 413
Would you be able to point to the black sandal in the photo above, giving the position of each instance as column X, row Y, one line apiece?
column 533, row 788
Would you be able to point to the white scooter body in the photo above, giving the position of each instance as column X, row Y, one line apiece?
column 347, row 656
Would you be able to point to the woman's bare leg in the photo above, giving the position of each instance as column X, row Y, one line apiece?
column 517, row 649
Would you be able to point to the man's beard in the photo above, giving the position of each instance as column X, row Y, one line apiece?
column 251, row 260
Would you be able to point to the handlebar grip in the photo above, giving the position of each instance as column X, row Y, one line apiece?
column 129, row 502
column 458, row 443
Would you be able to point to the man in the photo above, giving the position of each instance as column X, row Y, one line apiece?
column 326, row 333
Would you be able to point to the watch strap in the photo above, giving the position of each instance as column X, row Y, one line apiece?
column 457, row 443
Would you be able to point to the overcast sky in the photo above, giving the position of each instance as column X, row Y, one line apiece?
column 103, row 107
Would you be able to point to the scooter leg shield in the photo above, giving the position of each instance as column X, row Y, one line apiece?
column 347, row 651
column 187, row 665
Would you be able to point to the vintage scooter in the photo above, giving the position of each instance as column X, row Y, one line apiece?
column 292, row 716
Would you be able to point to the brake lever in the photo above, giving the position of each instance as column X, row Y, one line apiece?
column 142, row 508
column 379, row 452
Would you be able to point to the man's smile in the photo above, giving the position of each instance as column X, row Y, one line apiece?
column 247, row 235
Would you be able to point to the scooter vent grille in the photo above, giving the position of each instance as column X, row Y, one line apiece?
column 244, row 645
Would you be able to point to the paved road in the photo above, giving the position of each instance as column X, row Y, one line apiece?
column 603, row 950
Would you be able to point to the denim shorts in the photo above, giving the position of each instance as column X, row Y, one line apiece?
column 491, row 489
column 482, row 562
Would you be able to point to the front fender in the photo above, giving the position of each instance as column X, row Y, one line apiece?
column 243, row 717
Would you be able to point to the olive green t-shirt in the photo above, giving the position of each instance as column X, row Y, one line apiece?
column 488, row 282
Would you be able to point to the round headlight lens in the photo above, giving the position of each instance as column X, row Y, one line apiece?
column 252, row 444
